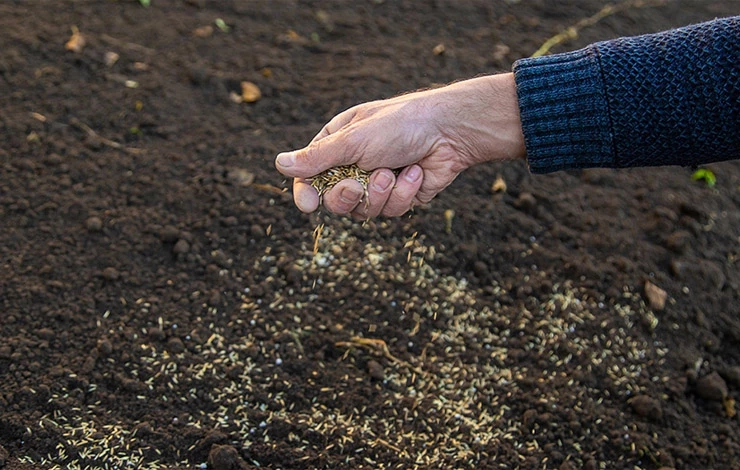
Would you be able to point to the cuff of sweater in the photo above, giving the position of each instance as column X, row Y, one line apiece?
column 564, row 111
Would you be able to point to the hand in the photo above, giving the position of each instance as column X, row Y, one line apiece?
column 431, row 136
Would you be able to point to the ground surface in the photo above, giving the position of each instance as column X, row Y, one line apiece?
column 161, row 305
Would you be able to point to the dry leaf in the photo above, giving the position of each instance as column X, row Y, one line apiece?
column 499, row 185
column 204, row 31
column 729, row 404
column 76, row 41
column 250, row 92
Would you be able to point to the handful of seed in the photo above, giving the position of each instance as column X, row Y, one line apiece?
column 326, row 180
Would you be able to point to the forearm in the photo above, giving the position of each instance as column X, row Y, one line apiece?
column 665, row 99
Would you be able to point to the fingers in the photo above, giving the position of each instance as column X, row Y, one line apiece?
column 328, row 149
column 305, row 196
column 344, row 197
column 385, row 195
column 333, row 150
column 379, row 189
column 401, row 198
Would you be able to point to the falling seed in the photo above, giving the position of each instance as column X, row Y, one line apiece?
column 449, row 215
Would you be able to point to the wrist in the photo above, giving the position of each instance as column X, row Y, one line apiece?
column 481, row 119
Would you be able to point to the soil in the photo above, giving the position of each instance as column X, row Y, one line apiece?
column 162, row 305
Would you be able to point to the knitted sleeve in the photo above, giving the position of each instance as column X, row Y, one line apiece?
column 671, row 98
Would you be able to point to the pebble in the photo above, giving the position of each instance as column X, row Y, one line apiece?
column 256, row 231
column 169, row 234
column 375, row 370
column 711, row 387
column 46, row 334
column 647, row 407
column 175, row 345
column 111, row 274
column 105, row 347
column 705, row 275
column 732, row 375
column 679, row 241
column 156, row 333
column 655, row 295
column 181, row 247
column 229, row 221
column 225, row 457
column 525, row 202
column 94, row 224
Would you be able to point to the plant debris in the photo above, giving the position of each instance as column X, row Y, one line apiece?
column 76, row 42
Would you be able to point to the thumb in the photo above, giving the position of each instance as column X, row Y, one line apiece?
column 318, row 156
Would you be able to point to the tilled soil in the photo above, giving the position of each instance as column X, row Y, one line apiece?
column 163, row 304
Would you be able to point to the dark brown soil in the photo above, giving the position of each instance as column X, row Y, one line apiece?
column 161, row 305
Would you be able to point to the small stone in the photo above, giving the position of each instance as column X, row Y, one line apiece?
column 679, row 241
column 175, row 345
column 647, row 407
column 256, row 231
column 375, row 370
column 529, row 417
column 105, row 347
column 229, row 221
column 732, row 375
column 225, row 457
column 156, row 333
column 181, row 247
column 111, row 274
column 525, row 202
column 655, row 295
column 711, row 387
column 94, row 224
column 46, row 334
column 212, row 437
column 169, row 234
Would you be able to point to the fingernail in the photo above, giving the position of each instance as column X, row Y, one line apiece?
column 349, row 196
column 413, row 174
column 286, row 160
column 382, row 181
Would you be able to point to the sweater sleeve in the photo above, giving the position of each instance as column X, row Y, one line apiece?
column 671, row 98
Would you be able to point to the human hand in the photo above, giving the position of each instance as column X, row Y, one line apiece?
column 430, row 136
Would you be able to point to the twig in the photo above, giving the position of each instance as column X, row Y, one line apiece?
column 571, row 32
column 270, row 188
column 110, row 143
column 379, row 346
column 125, row 44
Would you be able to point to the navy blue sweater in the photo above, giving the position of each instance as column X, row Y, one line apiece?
column 671, row 98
